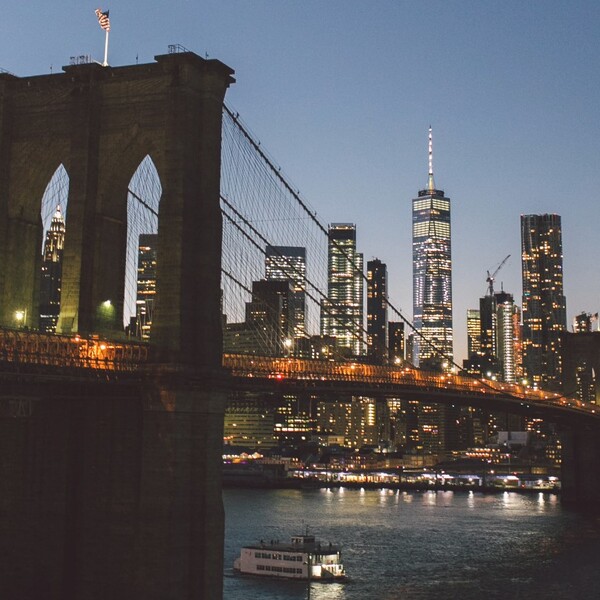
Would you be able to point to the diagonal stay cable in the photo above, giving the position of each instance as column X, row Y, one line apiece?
column 263, row 251
column 275, row 171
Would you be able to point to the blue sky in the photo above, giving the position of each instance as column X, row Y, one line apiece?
column 342, row 92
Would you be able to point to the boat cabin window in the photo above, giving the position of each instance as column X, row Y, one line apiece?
column 303, row 539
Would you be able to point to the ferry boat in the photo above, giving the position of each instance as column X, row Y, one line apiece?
column 303, row 558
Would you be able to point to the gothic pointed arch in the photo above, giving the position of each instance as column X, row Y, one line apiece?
column 143, row 200
column 52, row 212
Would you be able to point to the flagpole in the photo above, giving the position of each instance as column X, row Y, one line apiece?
column 105, row 63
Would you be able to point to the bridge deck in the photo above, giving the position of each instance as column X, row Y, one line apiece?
column 384, row 379
column 29, row 348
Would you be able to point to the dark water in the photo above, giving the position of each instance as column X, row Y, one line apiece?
column 430, row 545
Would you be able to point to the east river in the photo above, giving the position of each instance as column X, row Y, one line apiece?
column 421, row 545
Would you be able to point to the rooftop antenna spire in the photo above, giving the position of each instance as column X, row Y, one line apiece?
column 430, row 181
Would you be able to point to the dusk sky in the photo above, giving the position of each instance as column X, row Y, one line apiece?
column 342, row 92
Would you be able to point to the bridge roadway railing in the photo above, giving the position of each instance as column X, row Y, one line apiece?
column 22, row 347
column 242, row 365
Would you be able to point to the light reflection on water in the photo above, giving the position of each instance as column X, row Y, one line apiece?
column 430, row 545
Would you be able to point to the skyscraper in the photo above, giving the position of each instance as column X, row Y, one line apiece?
column 432, row 274
column 432, row 304
column 146, row 284
column 518, row 342
column 495, row 338
column 289, row 263
column 488, row 326
column 342, row 310
column 51, row 276
column 544, row 305
column 377, row 309
column 506, row 335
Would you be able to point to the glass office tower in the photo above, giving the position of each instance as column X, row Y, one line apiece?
column 342, row 310
column 432, row 275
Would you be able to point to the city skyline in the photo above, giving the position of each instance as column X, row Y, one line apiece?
column 90, row 414
column 336, row 93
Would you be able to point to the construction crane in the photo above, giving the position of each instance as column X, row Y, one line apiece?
column 491, row 278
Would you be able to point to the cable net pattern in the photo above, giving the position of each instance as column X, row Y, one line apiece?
column 260, row 208
column 143, row 201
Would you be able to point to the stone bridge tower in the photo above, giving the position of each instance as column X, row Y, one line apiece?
column 115, row 492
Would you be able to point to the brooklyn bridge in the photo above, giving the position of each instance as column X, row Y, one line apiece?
column 112, row 448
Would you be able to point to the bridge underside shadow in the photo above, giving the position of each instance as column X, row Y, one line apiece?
column 579, row 430
column 101, row 480
column 580, row 470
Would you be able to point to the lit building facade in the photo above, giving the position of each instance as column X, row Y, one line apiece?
column 496, row 353
column 403, row 415
column 488, row 326
column 584, row 322
column 377, row 318
column 396, row 342
column 269, row 315
column 365, row 421
column 581, row 365
column 289, row 263
column 544, row 304
column 518, row 343
column 438, row 428
column 267, row 328
column 249, row 422
column 342, row 311
column 293, row 418
column 359, row 420
column 51, row 275
column 410, row 347
column 473, row 332
column 146, row 284
column 432, row 274
column 505, row 311
column 432, row 304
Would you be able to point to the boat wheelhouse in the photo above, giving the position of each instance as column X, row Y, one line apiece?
column 303, row 558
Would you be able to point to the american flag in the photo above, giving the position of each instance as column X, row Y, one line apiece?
column 103, row 19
